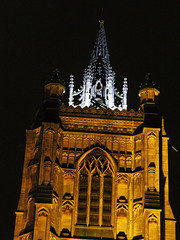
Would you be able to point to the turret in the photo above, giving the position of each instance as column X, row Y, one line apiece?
column 54, row 87
column 53, row 91
column 148, row 92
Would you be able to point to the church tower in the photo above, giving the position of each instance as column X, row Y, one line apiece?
column 92, row 169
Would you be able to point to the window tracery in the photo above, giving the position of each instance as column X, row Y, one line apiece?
column 95, row 191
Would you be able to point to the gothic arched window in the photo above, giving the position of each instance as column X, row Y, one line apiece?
column 95, row 191
column 153, row 227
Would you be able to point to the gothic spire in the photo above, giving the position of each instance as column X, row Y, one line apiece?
column 98, row 89
column 100, row 47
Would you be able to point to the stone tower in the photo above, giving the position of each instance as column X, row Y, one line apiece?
column 93, row 169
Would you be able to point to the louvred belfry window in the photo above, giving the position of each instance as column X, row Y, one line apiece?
column 95, row 191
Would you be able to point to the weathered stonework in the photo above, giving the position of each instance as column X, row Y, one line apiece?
column 52, row 193
column 93, row 173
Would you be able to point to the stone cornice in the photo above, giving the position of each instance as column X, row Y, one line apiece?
column 102, row 113
column 100, row 120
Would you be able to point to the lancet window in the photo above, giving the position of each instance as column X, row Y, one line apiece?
column 95, row 191
column 153, row 227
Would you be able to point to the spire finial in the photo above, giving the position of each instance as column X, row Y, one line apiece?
column 100, row 48
column 148, row 82
column 148, row 77
column 55, row 75
column 55, row 78
column 101, row 21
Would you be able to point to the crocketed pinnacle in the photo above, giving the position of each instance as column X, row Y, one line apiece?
column 100, row 47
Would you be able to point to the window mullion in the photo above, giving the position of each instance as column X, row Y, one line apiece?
column 89, row 198
column 101, row 199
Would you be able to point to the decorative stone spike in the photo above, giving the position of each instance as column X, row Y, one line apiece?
column 71, row 88
column 125, row 89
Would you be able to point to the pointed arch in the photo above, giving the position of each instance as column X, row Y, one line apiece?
column 95, row 180
column 151, row 134
column 100, row 151
column 122, row 188
column 42, row 221
column 151, row 143
column 138, row 144
column 138, row 185
column 116, row 146
column 65, row 142
column 138, row 219
column 50, row 130
column 129, row 145
column 68, row 185
column 43, row 212
column 122, row 215
column 153, row 227
column 30, row 210
column 138, row 160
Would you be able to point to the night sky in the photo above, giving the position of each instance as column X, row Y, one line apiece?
column 38, row 36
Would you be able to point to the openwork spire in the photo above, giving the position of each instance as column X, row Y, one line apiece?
column 98, row 89
column 100, row 47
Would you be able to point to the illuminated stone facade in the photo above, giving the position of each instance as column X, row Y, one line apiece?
column 92, row 173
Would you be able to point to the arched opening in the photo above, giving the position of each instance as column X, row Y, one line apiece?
column 99, row 89
column 123, row 186
column 30, row 212
column 138, row 160
column 68, row 186
column 151, row 148
column 138, row 217
column 42, row 223
column 122, row 220
column 138, row 186
column 96, row 173
column 153, row 227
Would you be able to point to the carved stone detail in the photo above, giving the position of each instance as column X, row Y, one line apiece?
column 68, row 172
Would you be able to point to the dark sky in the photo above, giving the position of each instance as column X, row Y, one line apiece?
column 38, row 36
